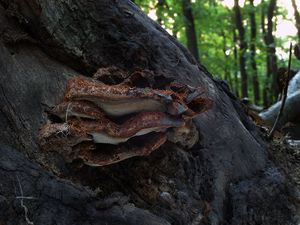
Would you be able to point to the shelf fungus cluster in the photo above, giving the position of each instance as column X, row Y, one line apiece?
column 103, row 123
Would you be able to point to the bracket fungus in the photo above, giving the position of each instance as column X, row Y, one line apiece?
column 104, row 124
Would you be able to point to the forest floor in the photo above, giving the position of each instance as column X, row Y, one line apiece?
column 288, row 158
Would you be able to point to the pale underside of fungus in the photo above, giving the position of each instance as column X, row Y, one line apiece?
column 103, row 124
column 118, row 100
column 139, row 147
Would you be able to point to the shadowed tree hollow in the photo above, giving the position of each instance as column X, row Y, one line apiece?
column 228, row 177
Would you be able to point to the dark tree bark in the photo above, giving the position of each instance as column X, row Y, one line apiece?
column 255, row 81
column 228, row 177
column 243, row 48
column 190, row 28
column 50, row 200
column 297, row 18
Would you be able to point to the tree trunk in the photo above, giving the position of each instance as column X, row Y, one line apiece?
column 255, row 81
column 190, row 28
column 290, row 114
column 297, row 18
column 228, row 177
column 227, row 75
column 266, row 90
column 291, row 110
column 159, row 11
column 243, row 48
column 271, row 49
column 235, row 54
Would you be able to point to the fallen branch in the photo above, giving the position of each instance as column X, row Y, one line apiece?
column 284, row 94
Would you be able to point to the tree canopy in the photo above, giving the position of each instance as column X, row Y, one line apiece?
column 220, row 45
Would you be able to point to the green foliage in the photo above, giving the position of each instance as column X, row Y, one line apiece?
column 214, row 26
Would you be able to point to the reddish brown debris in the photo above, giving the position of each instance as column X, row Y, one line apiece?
column 114, row 75
column 110, row 75
column 140, row 78
column 197, row 106
column 195, row 103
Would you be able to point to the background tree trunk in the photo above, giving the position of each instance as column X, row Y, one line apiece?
column 271, row 50
column 235, row 55
column 227, row 76
column 291, row 111
column 190, row 28
column 297, row 18
column 228, row 177
column 290, row 114
column 266, row 90
column 243, row 48
column 255, row 81
column 159, row 11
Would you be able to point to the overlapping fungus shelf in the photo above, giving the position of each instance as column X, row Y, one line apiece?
column 104, row 124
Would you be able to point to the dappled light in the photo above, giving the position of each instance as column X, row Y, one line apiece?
column 217, row 40
column 150, row 112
